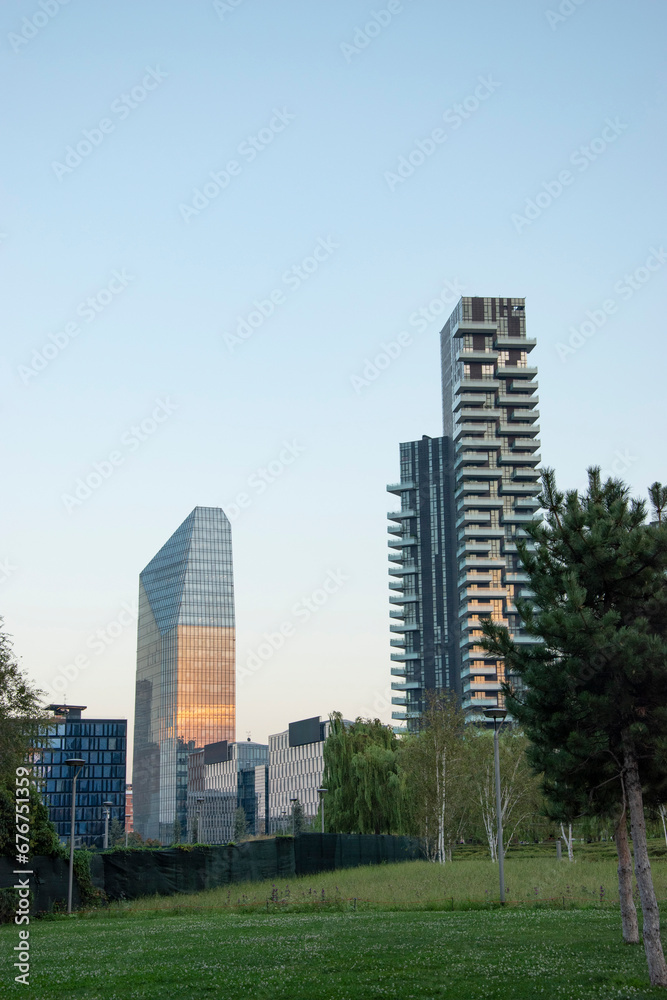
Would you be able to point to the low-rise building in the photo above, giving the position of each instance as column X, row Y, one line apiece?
column 222, row 779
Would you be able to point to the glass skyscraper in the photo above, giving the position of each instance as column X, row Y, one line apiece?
column 464, row 499
column 186, row 678
column 419, row 588
column 102, row 743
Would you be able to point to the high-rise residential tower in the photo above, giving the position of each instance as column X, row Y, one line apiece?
column 464, row 499
column 421, row 598
column 186, row 679
column 490, row 412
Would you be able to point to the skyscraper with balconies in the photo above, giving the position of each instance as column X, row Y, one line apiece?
column 421, row 596
column 186, row 676
column 464, row 499
column 490, row 412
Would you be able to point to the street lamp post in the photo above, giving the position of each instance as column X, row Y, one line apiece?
column 294, row 802
column 322, row 792
column 76, row 763
column 200, row 808
column 498, row 715
column 107, row 812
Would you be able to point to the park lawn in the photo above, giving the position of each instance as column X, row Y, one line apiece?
column 519, row 953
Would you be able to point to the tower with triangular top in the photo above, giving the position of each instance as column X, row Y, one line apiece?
column 186, row 675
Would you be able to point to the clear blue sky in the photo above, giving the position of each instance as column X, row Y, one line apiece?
column 171, row 278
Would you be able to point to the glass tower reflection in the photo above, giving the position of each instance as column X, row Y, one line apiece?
column 186, row 683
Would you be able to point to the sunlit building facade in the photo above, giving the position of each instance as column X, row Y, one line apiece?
column 490, row 413
column 186, row 679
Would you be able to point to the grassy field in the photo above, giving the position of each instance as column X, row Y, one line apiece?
column 514, row 954
column 308, row 939
column 417, row 885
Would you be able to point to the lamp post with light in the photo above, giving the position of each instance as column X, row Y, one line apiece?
column 76, row 763
column 322, row 792
column 498, row 715
column 107, row 812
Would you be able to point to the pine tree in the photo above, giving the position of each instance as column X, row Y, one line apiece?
column 592, row 696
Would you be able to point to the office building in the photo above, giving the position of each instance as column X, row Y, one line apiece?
column 295, row 768
column 221, row 779
column 419, row 589
column 469, row 491
column 185, row 691
column 102, row 744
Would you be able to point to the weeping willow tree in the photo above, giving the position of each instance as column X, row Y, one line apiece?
column 361, row 775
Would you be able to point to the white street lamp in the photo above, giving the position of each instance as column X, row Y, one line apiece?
column 498, row 715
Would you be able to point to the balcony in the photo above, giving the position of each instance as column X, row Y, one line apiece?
column 398, row 671
column 404, row 599
column 400, row 515
column 479, row 474
column 407, row 686
column 397, row 642
column 470, row 354
column 397, row 614
column 491, row 593
column 518, row 518
column 408, row 627
column 505, row 342
column 509, row 458
column 404, row 657
column 514, row 371
column 480, row 443
column 486, row 503
column 475, row 326
column 518, row 489
column 523, row 413
column 474, row 517
column 402, row 570
column 530, row 430
column 471, row 458
column 405, row 715
column 524, row 400
column 523, row 445
column 481, row 384
column 399, row 488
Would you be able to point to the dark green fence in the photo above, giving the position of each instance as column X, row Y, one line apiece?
column 133, row 873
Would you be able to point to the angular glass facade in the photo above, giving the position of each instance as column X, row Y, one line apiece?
column 186, row 677
column 102, row 743
column 221, row 779
column 419, row 587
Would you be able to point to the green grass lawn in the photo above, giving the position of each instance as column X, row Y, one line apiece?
column 515, row 954
column 403, row 941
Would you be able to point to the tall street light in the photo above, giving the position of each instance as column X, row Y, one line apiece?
column 322, row 792
column 76, row 763
column 200, row 809
column 498, row 715
column 107, row 812
column 294, row 802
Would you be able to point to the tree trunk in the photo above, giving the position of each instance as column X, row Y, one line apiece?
column 655, row 958
column 628, row 910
